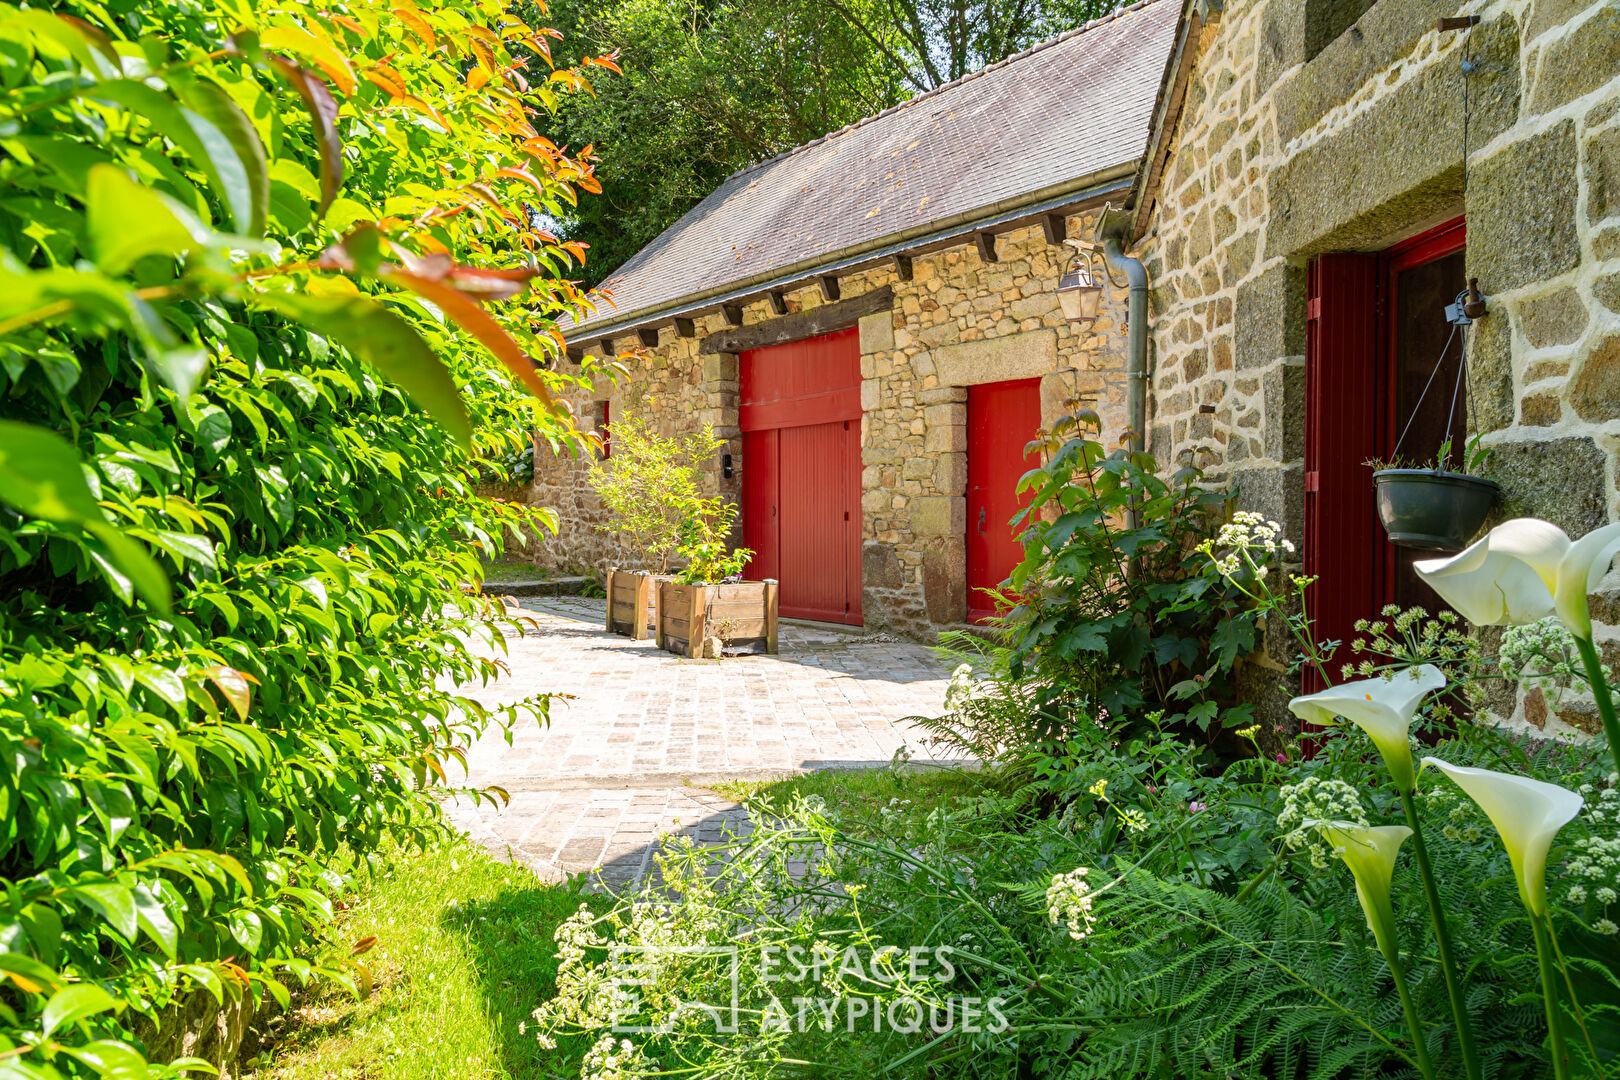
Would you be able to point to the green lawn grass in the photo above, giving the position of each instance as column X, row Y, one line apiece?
column 875, row 800
column 464, row 953
column 507, row 569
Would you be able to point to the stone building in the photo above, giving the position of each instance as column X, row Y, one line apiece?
column 871, row 321
column 1306, row 183
column 1306, row 209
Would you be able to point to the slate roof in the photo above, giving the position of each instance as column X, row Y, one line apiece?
column 1072, row 108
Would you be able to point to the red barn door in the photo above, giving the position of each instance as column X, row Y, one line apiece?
column 801, row 419
column 1002, row 419
column 1376, row 330
column 1343, row 395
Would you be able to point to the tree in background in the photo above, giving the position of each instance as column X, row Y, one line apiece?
column 932, row 42
column 713, row 86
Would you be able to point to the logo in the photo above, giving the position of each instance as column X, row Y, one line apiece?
column 795, row 988
column 637, row 974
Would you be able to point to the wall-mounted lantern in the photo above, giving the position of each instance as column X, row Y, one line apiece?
column 1080, row 289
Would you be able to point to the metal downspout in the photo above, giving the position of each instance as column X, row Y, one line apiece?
column 1136, row 372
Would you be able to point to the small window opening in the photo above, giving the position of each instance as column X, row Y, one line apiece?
column 604, row 428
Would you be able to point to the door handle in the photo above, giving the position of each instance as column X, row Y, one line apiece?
column 981, row 521
column 773, row 510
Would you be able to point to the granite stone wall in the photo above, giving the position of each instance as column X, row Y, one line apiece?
column 959, row 321
column 1289, row 146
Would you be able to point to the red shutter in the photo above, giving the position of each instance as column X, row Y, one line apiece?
column 761, row 480
column 1343, row 541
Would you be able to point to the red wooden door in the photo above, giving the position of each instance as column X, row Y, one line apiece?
column 1374, row 332
column 816, row 519
column 801, row 418
column 1343, row 415
column 761, row 472
column 1002, row 419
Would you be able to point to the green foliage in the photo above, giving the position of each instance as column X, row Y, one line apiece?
column 239, row 246
column 708, row 89
column 1473, row 459
column 1266, row 973
column 932, row 42
column 706, row 543
column 653, row 485
column 1114, row 615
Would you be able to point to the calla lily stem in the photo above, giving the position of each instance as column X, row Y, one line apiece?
column 1549, row 997
column 1442, row 940
column 1419, row 1049
column 1600, row 691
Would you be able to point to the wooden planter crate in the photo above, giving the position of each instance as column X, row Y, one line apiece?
column 744, row 612
column 632, row 606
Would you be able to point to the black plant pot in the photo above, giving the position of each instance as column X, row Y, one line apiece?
column 1432, row 510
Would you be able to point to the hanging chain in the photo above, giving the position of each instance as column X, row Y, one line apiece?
column 1454, row 313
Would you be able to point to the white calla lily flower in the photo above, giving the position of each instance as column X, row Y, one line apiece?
column 1527, row 814
column 1383, row 708
column 1370, row 853
column 1505, row 578
column 1579, row 572
column 1524, row 570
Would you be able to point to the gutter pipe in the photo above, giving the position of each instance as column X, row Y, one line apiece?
column 1136, row 372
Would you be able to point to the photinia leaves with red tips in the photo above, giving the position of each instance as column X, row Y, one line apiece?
column 323, row 111
column 477, row 322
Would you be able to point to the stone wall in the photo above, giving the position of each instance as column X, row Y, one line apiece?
column 1289, row 147
column 959, row 321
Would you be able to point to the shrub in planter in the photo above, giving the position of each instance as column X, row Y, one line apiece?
column 652, row 487
column 1433, row 508
column 707, row 607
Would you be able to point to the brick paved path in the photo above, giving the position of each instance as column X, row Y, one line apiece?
column 628, row 760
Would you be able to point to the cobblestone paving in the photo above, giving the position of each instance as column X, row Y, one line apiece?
column 628, row 759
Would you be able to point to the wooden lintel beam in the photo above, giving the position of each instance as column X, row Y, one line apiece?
column 685, row 328
column 606, row 345
column 987, row 245
column 733, row 314
column 648, row 336
column 902, row 267
column 1456, row 22
column 575, row 353
column 801, row 324
column 829, row 287
column 1056, row 228
column 778, row 302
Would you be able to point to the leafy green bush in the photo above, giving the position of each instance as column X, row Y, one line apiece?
column 237, row 567
column 706, row 543
column 1114, row 615
column 653, row 486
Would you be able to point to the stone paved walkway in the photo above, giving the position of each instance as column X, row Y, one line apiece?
column 628, row 760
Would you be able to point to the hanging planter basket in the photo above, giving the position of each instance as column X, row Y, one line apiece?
column 1433, row 510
